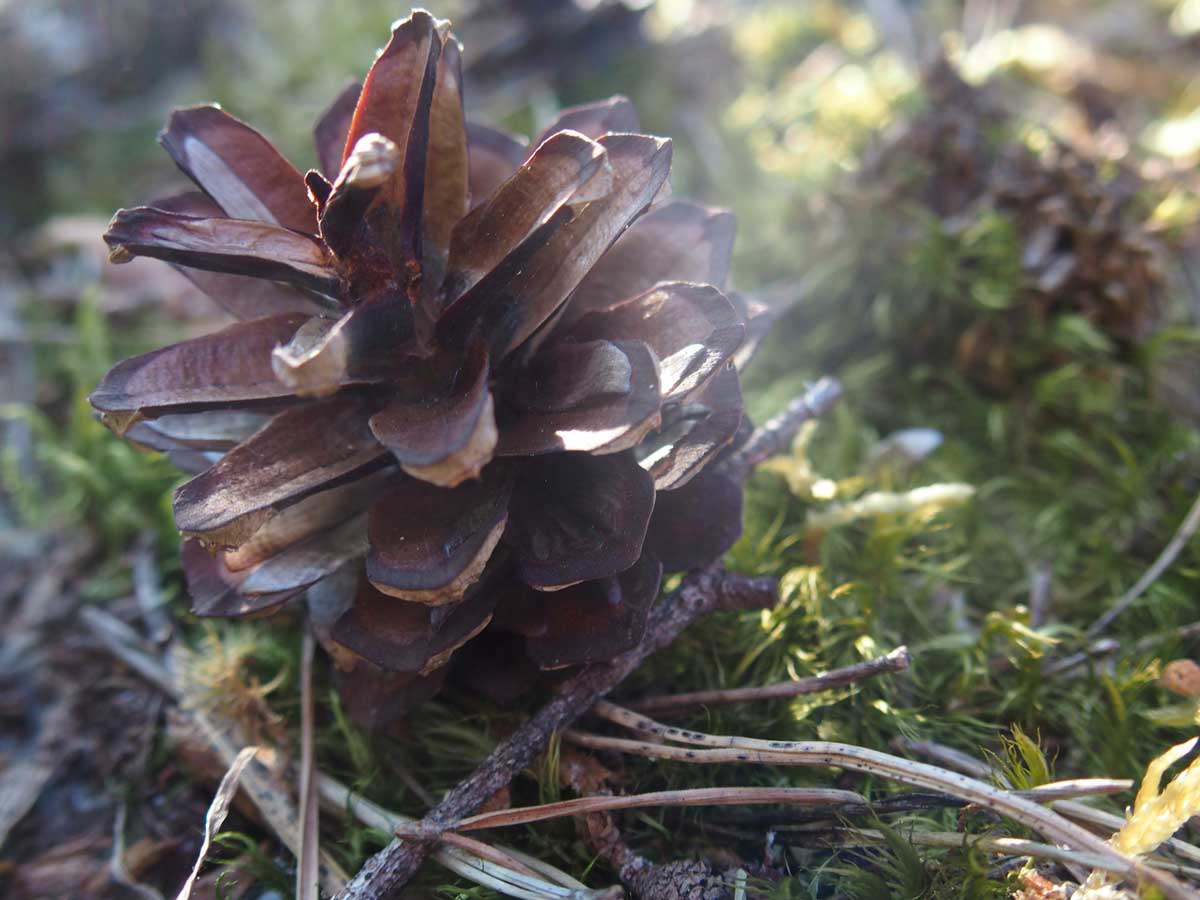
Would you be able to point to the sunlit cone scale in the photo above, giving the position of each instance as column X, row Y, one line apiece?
column 473, row 385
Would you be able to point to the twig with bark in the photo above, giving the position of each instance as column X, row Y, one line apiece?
column 774, row 435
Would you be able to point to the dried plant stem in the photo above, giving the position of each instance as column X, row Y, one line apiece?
column 268, row 797
column 217, row 811
column 701, row 592
column 1187, row 529
column 728, row 748
column 896, row 661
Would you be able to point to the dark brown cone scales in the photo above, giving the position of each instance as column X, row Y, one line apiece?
column 475, row 385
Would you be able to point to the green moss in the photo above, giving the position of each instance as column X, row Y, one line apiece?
column 85, row 478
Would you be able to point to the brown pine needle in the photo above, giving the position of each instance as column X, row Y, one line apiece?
column 488, row 852
column 896, row 661
column 730, row 796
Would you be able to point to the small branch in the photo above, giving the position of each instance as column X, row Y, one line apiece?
column 896, row 661
column 1187, row 529
column 773, row 436
column 701, row 592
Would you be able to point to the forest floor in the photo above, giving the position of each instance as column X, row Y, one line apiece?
column 984, row 227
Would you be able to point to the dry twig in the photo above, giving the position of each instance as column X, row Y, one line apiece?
column 774, row 435
column 896, row 661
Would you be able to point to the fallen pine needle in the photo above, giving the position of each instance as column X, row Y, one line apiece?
column 1076, row 787
column 725, row 796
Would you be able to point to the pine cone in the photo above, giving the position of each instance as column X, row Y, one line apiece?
column 462, row 372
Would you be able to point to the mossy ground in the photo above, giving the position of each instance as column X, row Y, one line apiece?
column 1080, row 473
